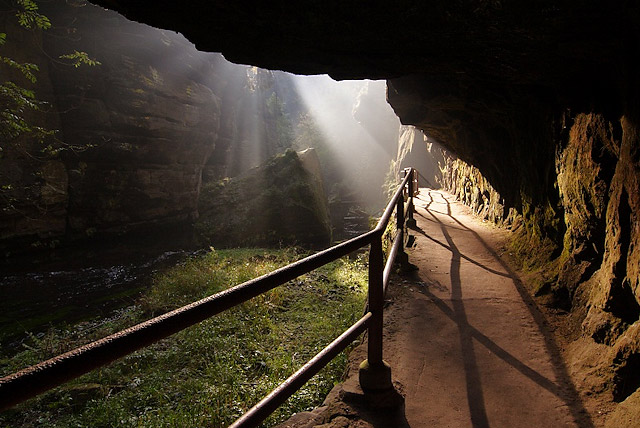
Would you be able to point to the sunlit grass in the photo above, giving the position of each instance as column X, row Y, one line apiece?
column 209, row 374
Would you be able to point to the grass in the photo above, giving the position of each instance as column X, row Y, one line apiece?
column 211, row 373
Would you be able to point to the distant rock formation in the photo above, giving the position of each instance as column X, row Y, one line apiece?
column 280, row 202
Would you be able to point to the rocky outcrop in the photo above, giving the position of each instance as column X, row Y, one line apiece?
column 257, row 117
column 133, row 132
column 593, row 271
column 148, row 118
column 280, row 203
column 417, row 151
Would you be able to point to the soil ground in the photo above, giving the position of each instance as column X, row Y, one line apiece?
column 466, row 343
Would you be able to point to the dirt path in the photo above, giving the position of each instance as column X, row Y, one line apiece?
column 463, row 337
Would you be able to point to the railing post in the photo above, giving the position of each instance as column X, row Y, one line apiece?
column 401, row 258
column 375, row 373
column 411, row 222
column 376, row 303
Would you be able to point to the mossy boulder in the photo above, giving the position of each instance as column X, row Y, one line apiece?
column 279, row 203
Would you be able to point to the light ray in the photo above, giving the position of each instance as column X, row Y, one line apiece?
column 359, row 127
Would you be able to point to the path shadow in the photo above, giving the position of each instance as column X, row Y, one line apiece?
column 475, row 395
column 564, row 388
column 496, row 349
column 467, row 258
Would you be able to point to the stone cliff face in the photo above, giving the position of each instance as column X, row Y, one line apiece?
column 136, row 131
column 468, row 185
column 542, row 99
column 139, row 127
column 150, row 112
column 140, row 133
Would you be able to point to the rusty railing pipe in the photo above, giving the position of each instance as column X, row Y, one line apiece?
column 286, row 389
column 48, row 374
column 376, row 304
column 397, row 242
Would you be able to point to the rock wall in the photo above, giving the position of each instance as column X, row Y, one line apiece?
column 416, row 151
column 135, row 134
column 282, row 202
column 150, row 114
column 470, row 187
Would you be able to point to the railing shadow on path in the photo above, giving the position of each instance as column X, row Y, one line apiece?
column 563, row 388
column 467, row 258
column 475, row 395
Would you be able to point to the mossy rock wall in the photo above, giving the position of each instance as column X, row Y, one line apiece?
column 591, row 269
column 279, row 203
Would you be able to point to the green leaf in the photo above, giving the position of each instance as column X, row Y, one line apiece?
column 80, row 58
column 28, row 16
column 26, row 68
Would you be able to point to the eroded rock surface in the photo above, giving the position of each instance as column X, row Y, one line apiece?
column 134, row 134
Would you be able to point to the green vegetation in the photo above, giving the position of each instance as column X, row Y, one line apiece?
column 18, row 101
column 210, row 373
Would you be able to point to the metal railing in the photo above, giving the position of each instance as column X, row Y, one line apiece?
column 48, row 374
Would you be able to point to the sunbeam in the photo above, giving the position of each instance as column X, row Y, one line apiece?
column 358, row 126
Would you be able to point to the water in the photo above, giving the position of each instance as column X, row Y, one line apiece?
column 37, row 298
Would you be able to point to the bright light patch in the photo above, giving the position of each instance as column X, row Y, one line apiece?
column 358, row 125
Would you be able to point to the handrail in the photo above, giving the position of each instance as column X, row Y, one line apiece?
column 286, row 389
column 48, row 374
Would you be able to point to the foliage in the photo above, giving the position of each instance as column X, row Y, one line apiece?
column 80, row 58
column 210, row 373
column 17, row 100
column 29, row 17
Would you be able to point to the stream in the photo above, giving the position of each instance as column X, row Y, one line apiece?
column 42, row 296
